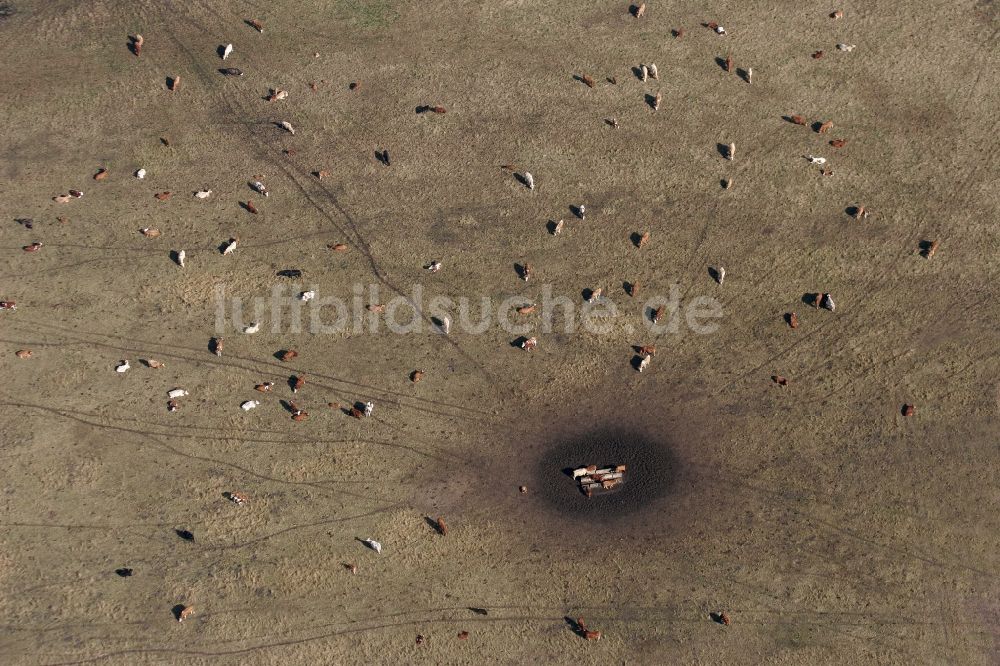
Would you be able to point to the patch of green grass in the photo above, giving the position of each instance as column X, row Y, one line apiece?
column 368, row 14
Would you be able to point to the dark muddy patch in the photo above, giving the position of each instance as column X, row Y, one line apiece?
column 519, row 477
column 652, row 472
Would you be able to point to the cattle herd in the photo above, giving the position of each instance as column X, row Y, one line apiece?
column 589, row 479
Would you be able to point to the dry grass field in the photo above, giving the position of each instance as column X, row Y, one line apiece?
column 829, row 527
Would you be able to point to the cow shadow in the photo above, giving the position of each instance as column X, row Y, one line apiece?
column 433, row 524
column 440, row 323
column 576, row 626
